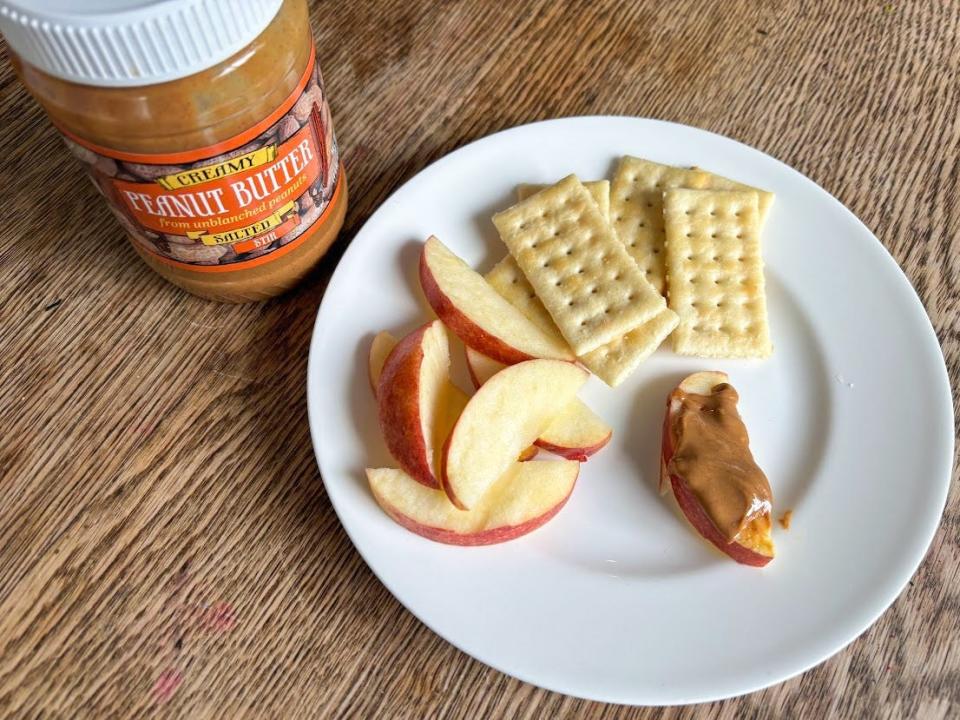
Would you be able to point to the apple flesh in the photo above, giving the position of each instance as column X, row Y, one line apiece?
column 383, row 343
column 509, row 412
column 754, row 545
column 523, row 499
column 478, row 314
column 418, row 404
column 575, row 434
column 480, row 367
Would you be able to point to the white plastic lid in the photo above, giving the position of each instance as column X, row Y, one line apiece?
column 123, row 43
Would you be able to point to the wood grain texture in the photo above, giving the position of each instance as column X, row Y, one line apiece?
column 166, row 545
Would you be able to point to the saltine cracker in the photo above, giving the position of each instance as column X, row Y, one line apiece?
column 764, row 197
column 616, row 360
column 715, row 273
column 612, row 362
column 599, row 190
column 581, row 272
column 636, row 209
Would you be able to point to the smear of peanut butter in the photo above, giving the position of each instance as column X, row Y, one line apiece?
column 712, row 455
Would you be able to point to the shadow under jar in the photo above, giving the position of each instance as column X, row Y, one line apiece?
column 204, row 124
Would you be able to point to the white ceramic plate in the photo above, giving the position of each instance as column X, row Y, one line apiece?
column 617, row 599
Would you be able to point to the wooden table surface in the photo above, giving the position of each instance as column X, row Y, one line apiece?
column 166, row 545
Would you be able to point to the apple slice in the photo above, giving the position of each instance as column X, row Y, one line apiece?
column 754, row 544
column 510, row 411
column 478, row 315
column 528, row 453
column 480, row 367
column 575, row 434
column 418, row 404
column 524, row 498
column 380, row 348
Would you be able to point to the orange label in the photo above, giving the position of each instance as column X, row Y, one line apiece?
column 241, row 202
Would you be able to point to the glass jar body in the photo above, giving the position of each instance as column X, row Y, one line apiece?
column 228, row 181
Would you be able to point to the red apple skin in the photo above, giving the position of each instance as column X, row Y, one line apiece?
column 579, row 454
column 697, row 517
column 473, row 375
column 486, row 537
column 444, row 480
column 463, row 327
column 695, row 514
column 399, row 408
column 666, row 448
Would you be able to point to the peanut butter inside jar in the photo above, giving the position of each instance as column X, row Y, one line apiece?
column 208, row 134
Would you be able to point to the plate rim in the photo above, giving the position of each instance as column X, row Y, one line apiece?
column 920, row 551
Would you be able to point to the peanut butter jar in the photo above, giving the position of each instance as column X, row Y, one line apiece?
column 203, row 123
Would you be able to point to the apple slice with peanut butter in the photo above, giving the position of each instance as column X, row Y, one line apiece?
column 706, row 458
